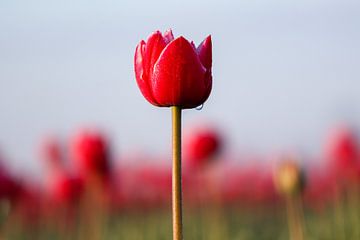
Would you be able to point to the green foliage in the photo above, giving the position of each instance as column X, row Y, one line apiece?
column 260, row 223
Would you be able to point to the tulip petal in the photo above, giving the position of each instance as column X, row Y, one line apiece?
column 168, row 36
column 179, row 78
column 207, row 84
column 140, row 74
column 204, row 51
column 193, row 45
column 154, row 46
column 147, row 54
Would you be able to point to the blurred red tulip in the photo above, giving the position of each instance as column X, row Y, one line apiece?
column 10, row 188
column 173, row 72
column 66, row 189
column 201, row 145
column 343, row 152
column 51, row 150
column 52, row 153
column 90, row 152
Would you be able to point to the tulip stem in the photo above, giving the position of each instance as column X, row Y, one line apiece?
column 176, row 174
column 294, row 208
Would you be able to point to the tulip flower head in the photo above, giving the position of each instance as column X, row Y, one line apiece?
column 52, row 153
column 289, row 178
column 173, row 72
column 10, row 188
column 91, row 154
column 67, row 189
column 343, row 152
column 202, row 145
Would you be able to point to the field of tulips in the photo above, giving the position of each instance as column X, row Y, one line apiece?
column 88, row 195
column 173, row 120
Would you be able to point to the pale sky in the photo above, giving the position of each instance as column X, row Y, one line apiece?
column 284, row 72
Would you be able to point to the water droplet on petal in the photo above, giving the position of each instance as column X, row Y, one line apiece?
column 199, row 107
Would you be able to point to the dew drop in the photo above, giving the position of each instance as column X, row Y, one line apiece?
column 199, row 107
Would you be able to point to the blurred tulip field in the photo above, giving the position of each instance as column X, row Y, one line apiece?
column 85, row 195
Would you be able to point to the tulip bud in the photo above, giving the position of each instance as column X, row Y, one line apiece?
column 52, row 152
column 91, row 154
column 173, row 72
column 66, row 189
column 201, row 146
column 343, row 152
column 289, row 178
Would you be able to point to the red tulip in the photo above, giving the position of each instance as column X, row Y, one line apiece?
column 201, row 146
column 52, row 153
column 173, row 72
column 67, row 189
column 343, row 152
column 91, row 153
column 10, row 188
